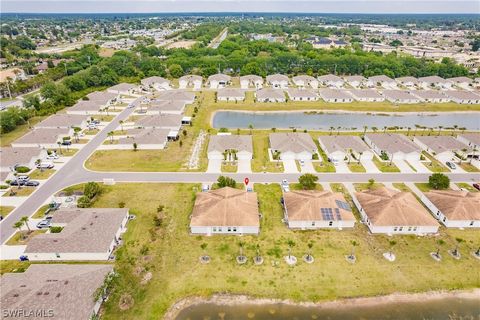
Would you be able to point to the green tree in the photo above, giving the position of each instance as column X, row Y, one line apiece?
column 439, row 181
column 175, row 70
column 308, row 181
column 223, row 181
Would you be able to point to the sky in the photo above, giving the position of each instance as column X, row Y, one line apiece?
column 303, row 6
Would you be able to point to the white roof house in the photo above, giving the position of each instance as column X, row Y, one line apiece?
column 155, row 83
column 63, row 120
column 296, row 94
column 366, row 95
column 454, row 208
column 463, row 97
column 123, row 88
column 434, row 82
column 308, row 209
column 278, row 81
column 251, row 81
column 218, row 80
column 293, row 145
column 190, row 81
column 304, row 81
column 442, row 147
column 43, row 138
column 87, row 234
column 382, row 81
column 339, row 147
column 409, row 82
column 230, row 94
column 355, row 81
column 390, row 211
column 270, row 95
column 395, row 146
column 335, row 95
column 432, row 96
column 218, row 144
column 400, row 96
column 331, row 80
column 56, row 291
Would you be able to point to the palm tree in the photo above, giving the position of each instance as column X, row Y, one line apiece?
column 408, row 131
column 359, row 156
column 349, row 154
column 309, row 254
column 110, row 134
column 250, row 126
column 439, row 129
column 338, row 130
column 59, row 147
column 121, row 124
column 455, row 127
column 76, row 130
column 18, row 225
column 25, row 220
column 331, row 130
column 365, row 129
column 384, row 129
column 374, row 129
column 290, row 244
column 473, row 154
column 464, row 150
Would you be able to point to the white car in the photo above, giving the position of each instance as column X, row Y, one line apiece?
column 285, row 186
column 52, row 156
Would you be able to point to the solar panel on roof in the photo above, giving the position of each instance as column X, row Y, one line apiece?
column 343, row 205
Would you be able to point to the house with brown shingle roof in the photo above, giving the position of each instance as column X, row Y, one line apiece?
column 55, row 291
column 393, row 212
column 225, row 211
column 87, row 234
column 308, row 209
column 293, row 145
column 455, row 209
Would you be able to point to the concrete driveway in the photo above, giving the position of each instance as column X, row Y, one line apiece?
column 420, row 167
column 244, row 166
column 214, row 166
column 11, row 252
column 307, row 167
column 403, row 166
column 290, row 166
column 369, row 166
column 342, row 167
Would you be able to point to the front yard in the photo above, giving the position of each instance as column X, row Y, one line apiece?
column 385, row 166
column 16, row 192
column 38, row 174
column 5, row 210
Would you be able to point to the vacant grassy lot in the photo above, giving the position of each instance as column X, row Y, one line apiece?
column 171, row 254
column 367, row 186
column 5, row 210
column 467, row 186
column 229, row 167
column 261, row 161
column 38, row 174
column 356, row 167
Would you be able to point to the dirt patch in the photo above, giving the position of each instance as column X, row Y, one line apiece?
column 186, row 44
column 126, row 302
column 138, row 271
column 146, row 278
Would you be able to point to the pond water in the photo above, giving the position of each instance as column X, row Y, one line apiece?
column 347, row 121
column 445, row 308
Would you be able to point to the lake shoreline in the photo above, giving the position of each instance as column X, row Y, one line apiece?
column 235, row 300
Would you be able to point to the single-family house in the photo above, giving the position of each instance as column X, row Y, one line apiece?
column 390, row 211
column 219, row 80
column 335, row 95
column 103, row 97
column 251, row 81
column 19, row 157
column 270, row 95
column 340, row 148
column 462, row 82
column 355, row 81
column 304, row 81
column 87, row 234
column 43, row 138
column 293, row 145
column 381, row 81
column 366, row 95
column 190, row 81
column 393, row 145
column 146, row 139
column 160, row 121
column 296, row 94
column 86, row 108
column 220, row 146
column 155, row 83
column 432, row 96
column 56, row 291
column 408, row 82
column 123, row 88
column 230, row 94
column 442, row 147
column 471, row 139
column 400, row 96
column 176, row 95
column 225, row 211
column 463, row 97
column 431, row 82
column 331, row 80
column 454, row 208
column 63, row 120
column 308, row 209
column 164, row 106
column 278, row 81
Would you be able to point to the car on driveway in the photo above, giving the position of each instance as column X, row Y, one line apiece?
column 44, row 224
column 66, row 142
column 17, row 183
column 45, row 165
column 451, row 165
column 32, row 183
column 52, row 156
column 285, row 186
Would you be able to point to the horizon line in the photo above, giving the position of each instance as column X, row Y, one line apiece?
column 249, row 12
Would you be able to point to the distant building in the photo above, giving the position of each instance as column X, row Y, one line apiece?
column 190, row 81
column 304, row 81
column 251, row 81
column 278, row 81
column 326, row 43
column 296, row 94
column 230, row 94
column 330, row 80
column 270, row 95
column 219, row 81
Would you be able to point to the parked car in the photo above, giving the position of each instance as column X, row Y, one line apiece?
column 477, row 186
column 44, row 224
column 45, row 165
column 95, row 121
column 17, row 183
column 32, row 183
column 23, row 258
column 23, row 178
column 302, row 163
column 66, row 142
column 451, row 165
column 52, row 156
column 285, row 186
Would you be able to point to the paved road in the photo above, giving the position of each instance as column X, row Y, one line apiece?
column 73, row 172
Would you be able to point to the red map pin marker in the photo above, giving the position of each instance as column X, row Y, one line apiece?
column 246, row 181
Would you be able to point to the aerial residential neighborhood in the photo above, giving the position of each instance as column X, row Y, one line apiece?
column 232, row 165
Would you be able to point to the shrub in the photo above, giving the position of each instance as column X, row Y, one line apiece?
column 121, row 204
column 22, row 169
column 91, row 190
column 83, row 202
column 56, row 229
column 226, row 182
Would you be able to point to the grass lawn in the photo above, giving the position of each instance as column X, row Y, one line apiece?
column 367, row 186
column 7, row 138
column 261, row 162
column 40, row 212
column 229, row 167
column 23, row 192
column 401, row 187
column 466, row 186
column 424, row 187
column 37, row 174
column 13, row 266
column 385, row 166
column 298, row 186
column 91, row 132
column 468, row 167
column 5, row 210
column 67, row 153
column 171, row 254
column 434, row 165
column 356, row 167
column 22, row 237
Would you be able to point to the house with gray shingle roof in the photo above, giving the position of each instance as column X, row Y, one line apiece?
column 395, row 146
column 219, row 80
column 355, row 81
column 270, row 95
column 442, row 147
column 146, row 139
column 63, row 120
column 160, row 121
column 103, row 97
column 293, row 145
column 366, row 95
column 470, row 139
column 330, row 80
column 219, row 144
column 463, row 97
column 20, row 156
column 409, row 82
column 296, row 94
column 164, row 106
column 432, row 96
column 230, row 94
column 176, row 95
column 155, row 83
column 434, row 82
column 304, row 81
column 278, row 81
column 335, row 95
column 339, row 147
column 381, row 81
column 123, row 88
column 43, row 138
column 190, row 81
column 400, row 96
column 251, row 81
